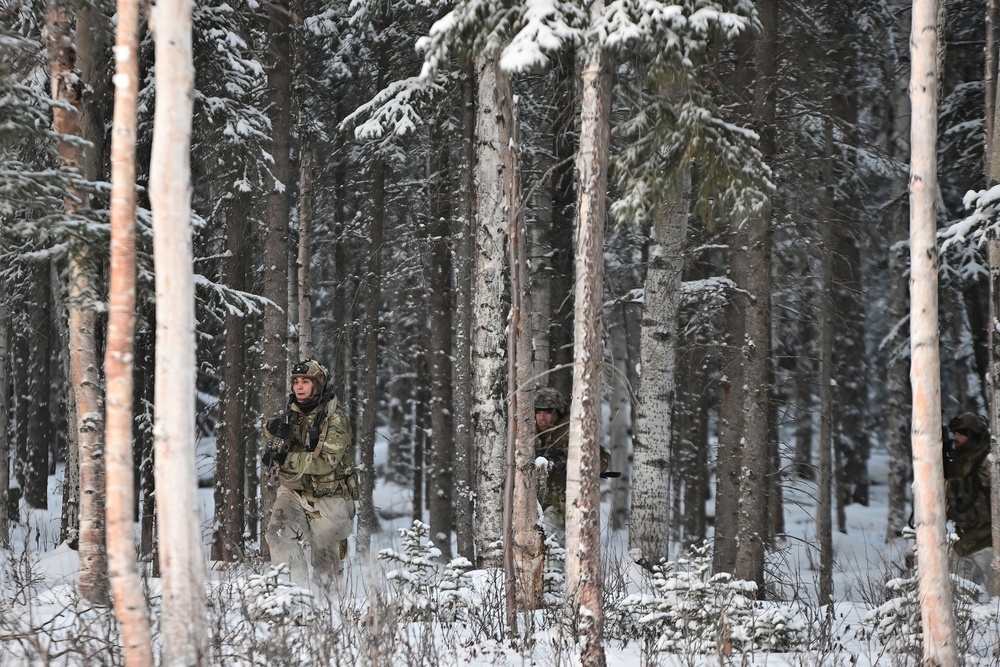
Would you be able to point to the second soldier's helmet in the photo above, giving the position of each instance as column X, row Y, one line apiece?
column 312, row 370
column 971, row 425
column 547, row 398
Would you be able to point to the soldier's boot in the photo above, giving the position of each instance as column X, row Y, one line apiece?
column 342, row 550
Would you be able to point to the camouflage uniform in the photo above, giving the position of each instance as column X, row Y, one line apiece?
column 315, row 501
column 553, row 445
column 967, row 493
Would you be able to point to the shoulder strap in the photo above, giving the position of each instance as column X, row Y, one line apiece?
column 325, row 400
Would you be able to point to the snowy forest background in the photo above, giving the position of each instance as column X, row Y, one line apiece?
column 755, row 302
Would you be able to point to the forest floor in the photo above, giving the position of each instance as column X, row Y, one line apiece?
column 380, row 618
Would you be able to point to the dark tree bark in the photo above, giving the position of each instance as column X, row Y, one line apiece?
column 462, row 241
column 438, row 344
column 39, row 425
column 274, row 359
column 230, row 464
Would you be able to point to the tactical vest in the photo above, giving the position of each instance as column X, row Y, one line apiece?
column 307, row 468
column 968, row 497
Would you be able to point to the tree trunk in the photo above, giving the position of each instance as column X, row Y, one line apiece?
column 463, row 263
column 85, row 376
column 937, row 615
column 305, row 257
column 231, row 450
column 897, row 380
column 274, row 352
column 368, row 523
column 5, row 356
column 488, row 315
column 35, row 490
column 755, row 477
column 620, row 428
column 526, row 539
column 824, row 500
column 437, row 334
column 304, row 260
column 183, row 624
column 652, row 482
column 730, row 425
column 993, row 250
column 123, row 569
column 562, row 231
column 583, row 520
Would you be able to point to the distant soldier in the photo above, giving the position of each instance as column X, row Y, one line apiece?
column 967, row 492
column 309, row 442
column 552, row 423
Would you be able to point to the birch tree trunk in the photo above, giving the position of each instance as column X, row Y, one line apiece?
column 85, row 377
column 463, row 263
column 937, row 615
column 649, row 531
column 583, row 516
column 183, row 624
column 488, row 317
column 123, row 569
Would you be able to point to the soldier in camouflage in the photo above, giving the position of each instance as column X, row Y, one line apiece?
column 309, row 443
column 552, row 443
column 967, row 492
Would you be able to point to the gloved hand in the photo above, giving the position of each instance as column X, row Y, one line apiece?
column 279, row 428
column 272, row 457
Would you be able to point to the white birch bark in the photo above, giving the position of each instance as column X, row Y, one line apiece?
column 937, row 616
column 183, row 624
column 84, row 374
column 123, row 568
column 583, row 516
column 488, row 317
column 649, row 529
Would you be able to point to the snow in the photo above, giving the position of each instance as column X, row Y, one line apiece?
column 869, row 580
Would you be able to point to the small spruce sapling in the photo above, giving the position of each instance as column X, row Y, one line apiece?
column 426, row 590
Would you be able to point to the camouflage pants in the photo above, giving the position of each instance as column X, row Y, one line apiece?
column 976, row 567
column 321, row 525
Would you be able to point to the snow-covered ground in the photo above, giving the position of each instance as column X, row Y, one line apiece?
column 252, row 610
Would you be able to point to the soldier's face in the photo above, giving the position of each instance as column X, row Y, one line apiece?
column 302, row 388
column 544, row 419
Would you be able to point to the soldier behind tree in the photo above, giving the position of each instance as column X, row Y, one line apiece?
column 967, row 493
column 552, row 443
column 309, row 443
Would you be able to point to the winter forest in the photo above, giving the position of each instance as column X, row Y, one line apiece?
column 715, row 227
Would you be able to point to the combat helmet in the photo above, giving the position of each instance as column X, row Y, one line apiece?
column 547, row 398
column 972, row 425
column 312, row 370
